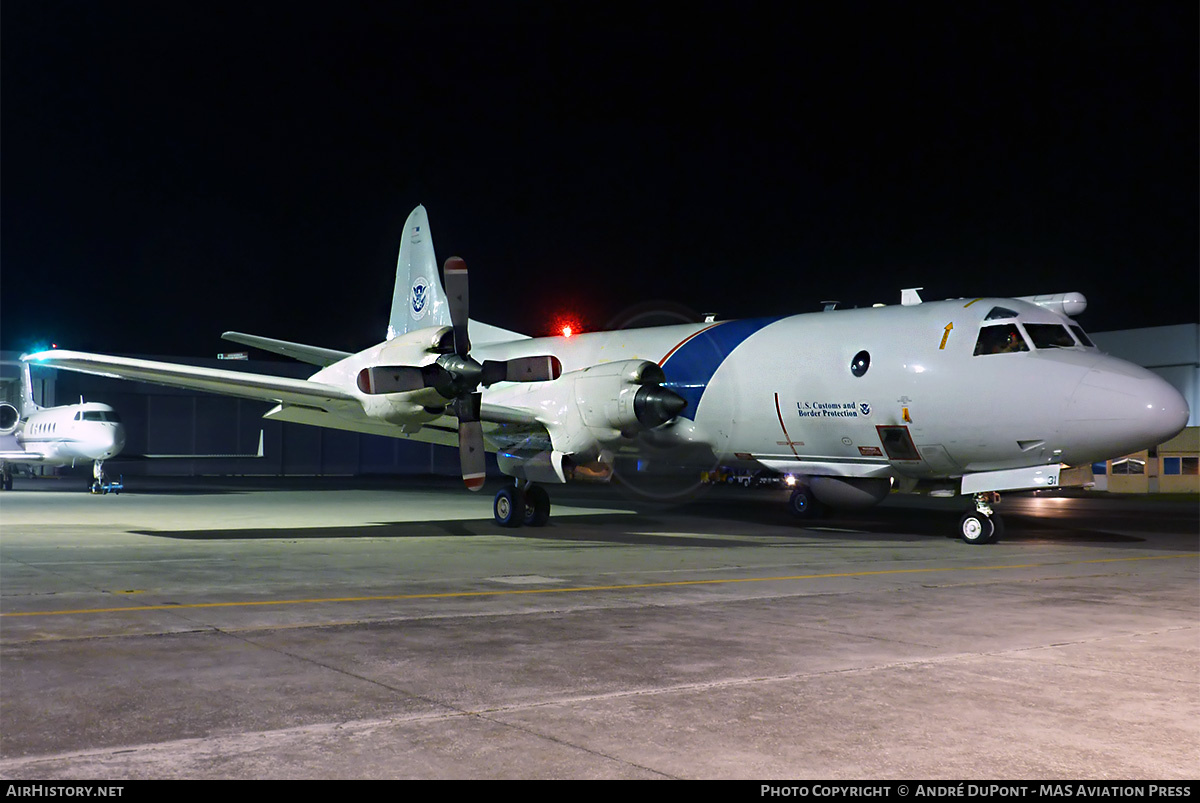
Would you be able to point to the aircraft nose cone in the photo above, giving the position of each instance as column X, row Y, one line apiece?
column 118, row 440
column 1121, row 408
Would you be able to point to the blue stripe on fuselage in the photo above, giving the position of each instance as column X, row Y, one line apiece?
column 690, row 368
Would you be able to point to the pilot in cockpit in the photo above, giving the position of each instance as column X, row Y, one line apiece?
column 1013, row 343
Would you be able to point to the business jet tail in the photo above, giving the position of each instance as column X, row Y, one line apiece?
column 28, row 405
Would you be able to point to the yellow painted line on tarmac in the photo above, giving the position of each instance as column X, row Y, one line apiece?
column 628, row 587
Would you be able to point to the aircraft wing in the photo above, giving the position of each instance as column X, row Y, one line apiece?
column 313, row 355
column 503, row 414
column 262, row 387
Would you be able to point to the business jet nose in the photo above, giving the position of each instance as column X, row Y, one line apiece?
column 1121, row 408
column 118, row 440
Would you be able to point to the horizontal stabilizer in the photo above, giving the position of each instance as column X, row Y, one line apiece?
column 259, row 453
column 483, row 334
column 313, row 355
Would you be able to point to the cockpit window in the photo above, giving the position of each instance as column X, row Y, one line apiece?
column 1000, row 339
column 999, row 313
column 101, row 415
column 1049, row 336
column 1084, row 340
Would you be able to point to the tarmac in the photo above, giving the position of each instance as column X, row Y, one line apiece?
column 388, row 628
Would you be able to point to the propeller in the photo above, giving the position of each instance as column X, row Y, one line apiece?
column 457, row 376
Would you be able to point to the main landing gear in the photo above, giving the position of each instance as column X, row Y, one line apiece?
column 982, row 525
column 522, row 503
column 803, row 505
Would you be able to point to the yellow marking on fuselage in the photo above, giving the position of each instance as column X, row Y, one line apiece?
column 578, row 589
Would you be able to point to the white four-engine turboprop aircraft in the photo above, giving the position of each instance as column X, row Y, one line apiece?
column 980, row 395
column 57, row 436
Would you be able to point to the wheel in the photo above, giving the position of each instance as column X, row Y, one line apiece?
column 976, row 528
column 802, row 505
column 537, row 506
column 506, row 506
column 997, row 529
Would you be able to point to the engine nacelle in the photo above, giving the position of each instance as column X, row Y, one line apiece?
column 619, row 399
column 9, row 418
column 588, row 410
column 850, row 492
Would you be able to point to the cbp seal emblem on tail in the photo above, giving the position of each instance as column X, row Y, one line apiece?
column 419, row 296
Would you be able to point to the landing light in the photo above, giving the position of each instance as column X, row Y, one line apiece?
column 789, row 481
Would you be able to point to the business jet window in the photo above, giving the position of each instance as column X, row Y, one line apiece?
column 1084, row 340
column 999, row 313
column 1050, row 336
column 101, row 415
column 1000, row 339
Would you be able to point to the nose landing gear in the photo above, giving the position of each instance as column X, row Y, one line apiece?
column 982, row 525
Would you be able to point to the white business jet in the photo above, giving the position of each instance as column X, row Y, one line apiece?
column 966, row 396
column 57, row 436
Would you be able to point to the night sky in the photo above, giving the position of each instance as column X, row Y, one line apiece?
column 175, row 169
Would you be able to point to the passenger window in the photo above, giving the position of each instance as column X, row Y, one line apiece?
column 1049, row 336
column 1000, row 339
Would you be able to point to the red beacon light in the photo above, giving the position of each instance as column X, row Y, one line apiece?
column 565, row 326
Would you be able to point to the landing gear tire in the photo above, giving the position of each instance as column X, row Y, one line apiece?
column 976, row 528
column 509, row 507
column 537, row 507
column 803, row 505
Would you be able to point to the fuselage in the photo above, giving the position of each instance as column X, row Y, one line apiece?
column 63, row 435
column 933, row 389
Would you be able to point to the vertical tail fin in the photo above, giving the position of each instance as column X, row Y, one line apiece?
column 28, row 405
column 418, row 301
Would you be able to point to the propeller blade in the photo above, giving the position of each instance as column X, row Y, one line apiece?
column 521, row 369
column 471, row 454
column 391, row 379
column 467, row 406
column 458, row 296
